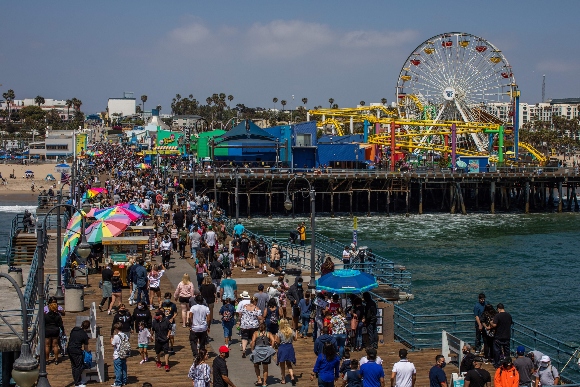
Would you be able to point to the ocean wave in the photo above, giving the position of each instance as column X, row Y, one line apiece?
column 17, row 209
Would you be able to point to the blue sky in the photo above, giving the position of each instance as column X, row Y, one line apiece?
column 257, row 50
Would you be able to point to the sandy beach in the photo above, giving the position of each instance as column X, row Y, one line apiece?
column 21, row 186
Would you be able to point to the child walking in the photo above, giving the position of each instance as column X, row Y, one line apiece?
column 143, row 341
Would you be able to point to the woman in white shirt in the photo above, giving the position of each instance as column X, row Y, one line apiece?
column 155, row 283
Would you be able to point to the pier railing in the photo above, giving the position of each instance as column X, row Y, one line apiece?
column 15, row 227
column 385, row 270
column 419, row 331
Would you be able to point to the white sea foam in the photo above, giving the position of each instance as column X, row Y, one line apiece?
column 17, row 209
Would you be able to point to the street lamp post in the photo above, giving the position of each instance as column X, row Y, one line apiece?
column 25, row 368
column 216, row 184
column 237, row 198
column 83, row 250
column 59, row 294
column 288, row 206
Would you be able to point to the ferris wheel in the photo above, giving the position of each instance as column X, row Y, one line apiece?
column 456, row 77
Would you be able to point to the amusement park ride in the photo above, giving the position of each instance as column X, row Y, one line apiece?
column 446, row 92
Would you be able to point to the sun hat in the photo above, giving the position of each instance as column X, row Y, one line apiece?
column 545, row 359
column 245, row 294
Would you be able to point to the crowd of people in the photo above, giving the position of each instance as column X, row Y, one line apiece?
column 269, row 322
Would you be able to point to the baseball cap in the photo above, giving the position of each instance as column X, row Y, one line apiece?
column 507, row 361
column 224, row 349
column 545, row 359
column 521, row 350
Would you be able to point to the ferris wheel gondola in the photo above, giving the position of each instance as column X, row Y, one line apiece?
column 455, row 76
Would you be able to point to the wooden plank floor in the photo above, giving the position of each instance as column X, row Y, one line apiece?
column 60, row 375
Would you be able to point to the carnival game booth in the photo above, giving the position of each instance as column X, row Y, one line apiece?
column 120, row 250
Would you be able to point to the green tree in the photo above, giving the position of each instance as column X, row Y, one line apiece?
column 304, row 101
column 275, row 100
column 362, row 103
column 384, row 101
column 331, row 101
column 53, row 119
column 69, row 104
column 138, row 109
column 283, row 103
column 32, row 113
column 230, row 99
column 158, row 107
column 143, row 100
column 9, row 96
column 39, row 100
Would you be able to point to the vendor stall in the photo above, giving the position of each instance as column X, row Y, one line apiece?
column 119, row 250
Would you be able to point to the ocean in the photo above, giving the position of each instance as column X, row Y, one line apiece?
column 527, row 262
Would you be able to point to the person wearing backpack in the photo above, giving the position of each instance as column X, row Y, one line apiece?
column 227, row 311
column 121, row 350
column 216, row 271
column 547, row 374
column 271, row 316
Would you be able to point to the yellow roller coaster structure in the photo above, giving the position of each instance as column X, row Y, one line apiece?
column 411, row 134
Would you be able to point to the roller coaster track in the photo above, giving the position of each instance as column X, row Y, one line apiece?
column 539, row 156
column 386, row 140
column 332, row 121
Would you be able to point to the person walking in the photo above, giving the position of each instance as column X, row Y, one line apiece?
column 220, row 369
column 506, row 375
column 183, row 293
column 162, row 329
column 306, row 307
column 142, row 282
column 119, row 359
column 78, row 340
column 227, row 311
column 404, row 373
column 200, row 271
column 155, row 284
column 107, row 287
column 302, row 231
column 143, row 337
column 547, row 374
column 200, row 323
column 326, row 367
column 286, row 357
column 208, row 292
column 271, row 316
column 478, row 377
column 123, row 317
column 502, row 322
column 338, row 329
column 228, row 287
column 182, row 236
column 141, row 314
column 370, row 320
column 262, row 351
column 117, row 290
column 131, row 281
column 437, row 377
column 211, row 240
column 53, row 326
column 488, row 332
column 216, row 271
column 294, row 295
column 372, row 373
column 250, row 316
column 525, row 367
column 200, row 371
column 170, row 310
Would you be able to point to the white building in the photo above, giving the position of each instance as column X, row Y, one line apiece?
column 58, row 144
column 124, row 106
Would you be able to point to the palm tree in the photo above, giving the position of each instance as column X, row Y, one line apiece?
column 283, row 103
column 77, row 104
column 275, row 100
column 143, row 100
column 335, row 106
column 158, row 108
column 39, row 100
column 68, row 106
column 384, row 101
column 331, row 101
column 304, row 101
column 178, row 97
column 208, row 101
column 230, row 99
column 362, row 103
column 9, row 96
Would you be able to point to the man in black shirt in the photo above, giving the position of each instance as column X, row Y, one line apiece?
column 220, row 369
column 370, row 320
column 162, row 328
column 477, row 377
column 77, row 341
column 502, row 322
column 106, row 277
column 467, row 363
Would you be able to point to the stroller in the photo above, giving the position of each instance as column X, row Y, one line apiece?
column 293, row 236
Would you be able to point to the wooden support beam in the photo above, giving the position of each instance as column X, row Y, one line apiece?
column 560, row 200
column 369, row 203
column 492, row 197
column 420, row 197
column 527, row 194
column 460, row 197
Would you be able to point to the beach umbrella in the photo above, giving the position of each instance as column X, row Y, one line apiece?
column 68, row 247
column 142, row 166
column 29, row 171
column 346, row 281
column 135, row 208
column 118, row 211
column 461, row 164
column 98, row 153
column 106, row 228
column 93, row 192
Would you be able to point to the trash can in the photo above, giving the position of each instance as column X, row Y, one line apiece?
column 16, row 274
column 74, row 298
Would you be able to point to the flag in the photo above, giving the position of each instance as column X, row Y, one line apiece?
column 64, row 178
